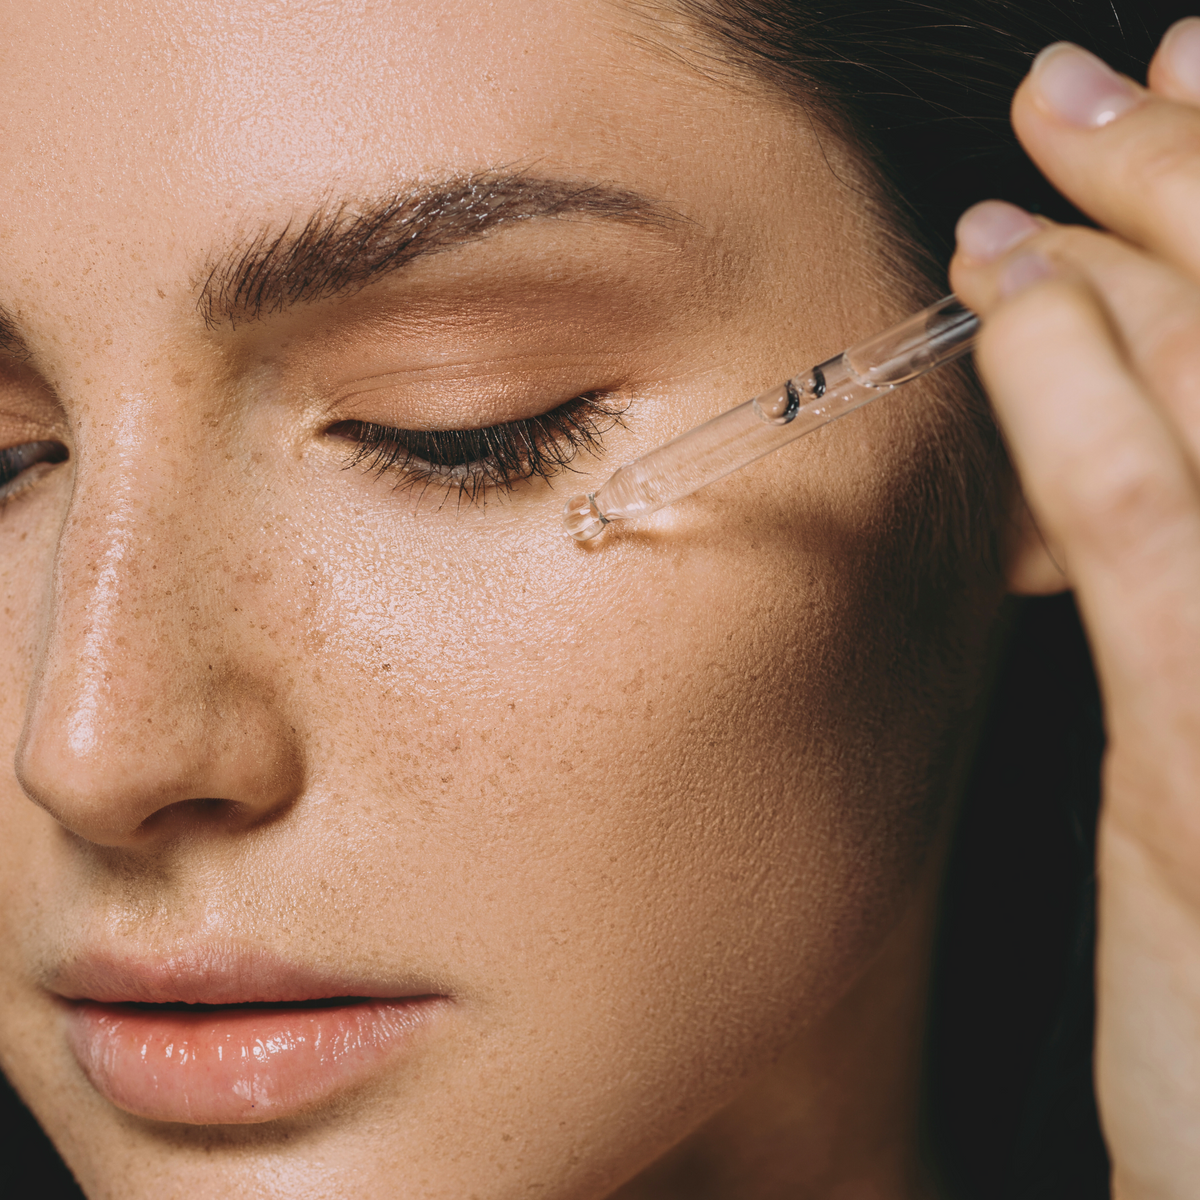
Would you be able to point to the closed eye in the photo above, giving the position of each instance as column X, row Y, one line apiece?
column 471, row 462
column 18, row 465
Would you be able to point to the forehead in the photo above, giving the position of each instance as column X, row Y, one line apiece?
column 124, row 118
column 198, row 94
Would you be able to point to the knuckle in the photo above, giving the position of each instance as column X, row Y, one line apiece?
column 1072, row 243
column 1166, row 156
column 1117, row 500
column 1051, row 309
column 1150, row 782
column 1174, row 360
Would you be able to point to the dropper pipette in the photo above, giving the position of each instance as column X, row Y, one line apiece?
column 736, row 438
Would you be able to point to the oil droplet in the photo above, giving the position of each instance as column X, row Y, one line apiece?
column 582, row 519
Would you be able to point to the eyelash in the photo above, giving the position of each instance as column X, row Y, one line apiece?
column 16, row 460
column 469, row 461
column 473, row 461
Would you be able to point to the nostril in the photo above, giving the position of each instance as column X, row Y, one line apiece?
column 208, row 756
column 204, row 810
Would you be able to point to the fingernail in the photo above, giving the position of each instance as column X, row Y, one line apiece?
column 987, row 230
column 1181, row 45
column 1028, row 268
column 1079, row 88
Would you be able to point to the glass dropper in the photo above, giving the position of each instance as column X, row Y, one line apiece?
column 936, row 335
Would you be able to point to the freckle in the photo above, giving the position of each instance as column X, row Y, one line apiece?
column 161, row 294
column 182, row 378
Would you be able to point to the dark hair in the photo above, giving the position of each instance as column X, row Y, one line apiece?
column 922, row 88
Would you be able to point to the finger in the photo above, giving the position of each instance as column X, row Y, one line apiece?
column 1110, row 483
column 1124, row 155
column 1154, row 310
column 1175, row 69
column 1099, row 395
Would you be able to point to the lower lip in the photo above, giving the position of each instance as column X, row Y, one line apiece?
column 237, row 1064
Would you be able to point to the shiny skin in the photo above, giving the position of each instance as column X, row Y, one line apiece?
column 662, row 817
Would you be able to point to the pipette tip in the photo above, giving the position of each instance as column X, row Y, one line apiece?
column 582, row 519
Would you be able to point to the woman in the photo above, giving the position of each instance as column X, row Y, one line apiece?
column 364, row 837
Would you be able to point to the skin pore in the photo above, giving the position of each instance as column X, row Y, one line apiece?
column 662, row 819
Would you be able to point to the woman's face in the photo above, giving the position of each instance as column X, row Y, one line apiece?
column 597, row 830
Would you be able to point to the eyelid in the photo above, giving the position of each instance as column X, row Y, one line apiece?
column 473, row 392
column 491, row 458
column 19, row 459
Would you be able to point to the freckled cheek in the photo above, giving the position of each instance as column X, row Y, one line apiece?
column 608, row 816
column 456, row 643
column 483, row 686
column 614, row 690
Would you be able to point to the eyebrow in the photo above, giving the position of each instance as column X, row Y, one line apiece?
column 341, row 247
column 11, row 341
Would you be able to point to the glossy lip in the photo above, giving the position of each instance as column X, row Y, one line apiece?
column 221, row 1035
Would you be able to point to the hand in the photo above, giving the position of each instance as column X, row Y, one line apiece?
column 1091, row 353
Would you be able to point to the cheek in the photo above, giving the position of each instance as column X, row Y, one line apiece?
column 657, row 787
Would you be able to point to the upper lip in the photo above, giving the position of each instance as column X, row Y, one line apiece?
column 218, row 974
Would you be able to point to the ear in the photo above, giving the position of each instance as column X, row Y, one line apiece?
column 1032, row 566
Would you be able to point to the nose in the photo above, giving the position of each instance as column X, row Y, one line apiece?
column 153, row 710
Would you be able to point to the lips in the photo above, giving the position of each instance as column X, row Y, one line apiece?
column 223, row 1037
